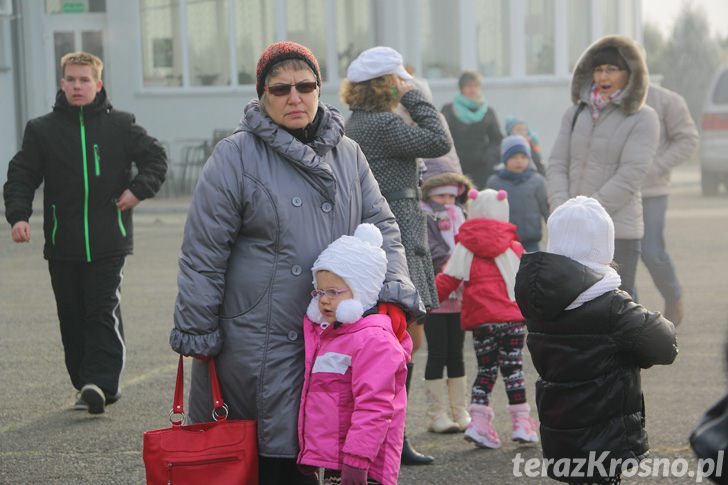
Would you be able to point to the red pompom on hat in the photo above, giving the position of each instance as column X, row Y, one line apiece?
column 282, row 51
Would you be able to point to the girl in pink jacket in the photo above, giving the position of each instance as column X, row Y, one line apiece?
column 353, row 404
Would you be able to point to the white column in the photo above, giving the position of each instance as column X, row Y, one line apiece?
column 561, row 38
column 468, row 36
column 516, row 17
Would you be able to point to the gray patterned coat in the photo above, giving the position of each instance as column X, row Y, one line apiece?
column 391, row 147
column 265, row 206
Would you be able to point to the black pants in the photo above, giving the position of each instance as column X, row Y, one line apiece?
column 281, row 471
column 88, row 297
column 444, row 346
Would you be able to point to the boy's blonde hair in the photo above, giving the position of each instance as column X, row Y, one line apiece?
column 83, row 59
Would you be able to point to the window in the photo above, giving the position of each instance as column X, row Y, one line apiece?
column 579, row 30
column 492, row 37
column 258, row 19
column 354, row 32
column 306, row 24
column 161, row 43
column 208, row 43
column 439, row 30
column 720, row 95
column 539, row 28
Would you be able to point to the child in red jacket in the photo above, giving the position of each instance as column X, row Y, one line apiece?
column 486, row 259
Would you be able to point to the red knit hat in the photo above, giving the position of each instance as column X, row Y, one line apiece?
column 282, row 51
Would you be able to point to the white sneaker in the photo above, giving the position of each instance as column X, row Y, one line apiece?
column 92, row 395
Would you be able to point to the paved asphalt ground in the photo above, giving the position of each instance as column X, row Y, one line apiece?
column 42, row 440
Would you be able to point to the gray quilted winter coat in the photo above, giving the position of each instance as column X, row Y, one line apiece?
column 264, row 208
column 607, row 159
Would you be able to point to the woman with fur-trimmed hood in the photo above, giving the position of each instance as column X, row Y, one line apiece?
column 607, row 141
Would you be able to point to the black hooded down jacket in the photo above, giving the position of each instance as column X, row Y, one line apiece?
column 84, row 156
column 588, row 394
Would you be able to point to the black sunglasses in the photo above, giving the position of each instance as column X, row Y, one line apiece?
column 304, row 87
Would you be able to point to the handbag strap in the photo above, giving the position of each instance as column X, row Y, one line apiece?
column 219, row 408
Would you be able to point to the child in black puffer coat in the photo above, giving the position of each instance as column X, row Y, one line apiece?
column 588, row 341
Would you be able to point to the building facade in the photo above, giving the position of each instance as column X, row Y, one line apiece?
column 187, row 67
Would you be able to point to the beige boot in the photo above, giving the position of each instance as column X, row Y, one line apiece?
column 458, row 402
column 439, row 421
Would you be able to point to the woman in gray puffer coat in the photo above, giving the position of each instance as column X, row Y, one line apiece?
column 607, row 141
column 271, row 197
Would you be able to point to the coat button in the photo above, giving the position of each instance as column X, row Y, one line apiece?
column 296, row 201
column 296, row 270
column 326, row 207
column 292, row 336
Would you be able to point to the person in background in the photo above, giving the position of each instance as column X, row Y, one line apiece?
column 444, row 195
column 475, row 129
column 270, row 199
column 83, row 153
column 607, row 141
column 355, row 368
column 526, row 190
column 376, row 82
column 588, row 341
column 678, row 142
column 485, row 260
column 514, row 126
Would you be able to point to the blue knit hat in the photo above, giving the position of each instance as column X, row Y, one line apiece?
column 514, row 144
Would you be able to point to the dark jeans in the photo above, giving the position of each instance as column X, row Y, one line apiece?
column 88, row 298
column 654, row 253
column 444, row 346
column 627, row 255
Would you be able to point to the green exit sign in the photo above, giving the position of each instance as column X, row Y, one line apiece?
column 74, row 7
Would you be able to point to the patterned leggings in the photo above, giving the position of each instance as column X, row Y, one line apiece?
column 499, row 346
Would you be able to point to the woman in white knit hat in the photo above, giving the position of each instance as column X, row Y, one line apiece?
column 353, row 404
column 588, row 341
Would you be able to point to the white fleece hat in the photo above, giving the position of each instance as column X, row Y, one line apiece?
column 582, row 230
column 489, row 204
column 376, row 62
column 362, row 263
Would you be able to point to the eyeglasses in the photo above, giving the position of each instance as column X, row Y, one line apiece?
column 329, row 292
column 607, row 70
column 304, row 87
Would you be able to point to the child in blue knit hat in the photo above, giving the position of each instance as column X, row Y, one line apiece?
column 514, row 126
column 526, row 190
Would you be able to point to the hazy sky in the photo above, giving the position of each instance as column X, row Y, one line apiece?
column 663, row 13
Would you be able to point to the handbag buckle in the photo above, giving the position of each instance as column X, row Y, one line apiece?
column 221, row 413
column 176, row 422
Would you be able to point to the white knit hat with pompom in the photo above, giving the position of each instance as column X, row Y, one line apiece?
column 362, row 263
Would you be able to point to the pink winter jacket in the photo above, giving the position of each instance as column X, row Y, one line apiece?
column 354, row 401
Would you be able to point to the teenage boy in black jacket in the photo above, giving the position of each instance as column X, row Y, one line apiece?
column 83, row 150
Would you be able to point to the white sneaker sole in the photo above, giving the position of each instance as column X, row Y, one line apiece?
column 480, row 441
column 92, row 395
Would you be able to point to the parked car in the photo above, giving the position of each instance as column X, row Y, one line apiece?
column 714, row 135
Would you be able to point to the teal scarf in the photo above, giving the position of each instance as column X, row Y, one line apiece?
column 469, row 111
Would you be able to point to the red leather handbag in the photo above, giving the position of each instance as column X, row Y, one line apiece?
column 224, row 451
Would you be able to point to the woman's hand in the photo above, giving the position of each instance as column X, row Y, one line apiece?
column 403, row 86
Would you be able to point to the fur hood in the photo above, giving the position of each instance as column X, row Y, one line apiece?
column 448, row 178
column 635, row 93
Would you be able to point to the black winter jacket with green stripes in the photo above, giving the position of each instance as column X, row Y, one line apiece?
column 84, row 155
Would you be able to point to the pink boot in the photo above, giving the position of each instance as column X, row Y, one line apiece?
column 481, row 430
column 524, row 426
